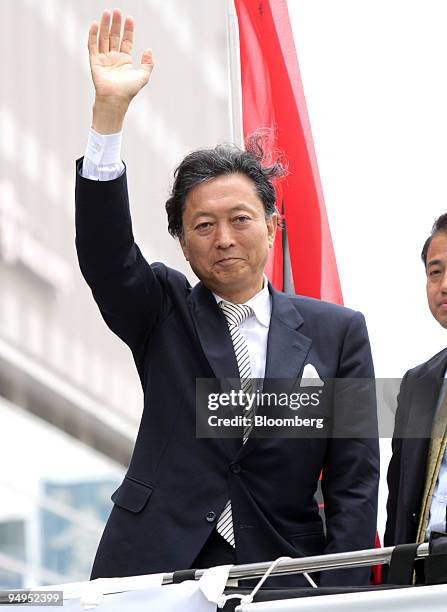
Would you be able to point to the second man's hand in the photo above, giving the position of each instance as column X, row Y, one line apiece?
column 115, row 78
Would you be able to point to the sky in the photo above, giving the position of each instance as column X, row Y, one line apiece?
column 375, row 80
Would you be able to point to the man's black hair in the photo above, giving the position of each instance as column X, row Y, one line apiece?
column 207, row 164
column 440, row 225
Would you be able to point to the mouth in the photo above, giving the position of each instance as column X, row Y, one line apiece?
column 226, row 261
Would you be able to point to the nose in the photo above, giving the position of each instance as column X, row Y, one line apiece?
column 444, row 283
column 223, row 236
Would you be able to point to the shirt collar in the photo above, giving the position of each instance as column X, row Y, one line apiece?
column 260, row 304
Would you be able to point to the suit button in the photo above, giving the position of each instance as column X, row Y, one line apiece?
column 414, row 518
column 211, row 517
column 235, row 468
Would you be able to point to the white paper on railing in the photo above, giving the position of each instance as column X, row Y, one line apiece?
column 183, row 597
column 101, row 586
column 91, row 593
column 213, row 582
column 413, row 599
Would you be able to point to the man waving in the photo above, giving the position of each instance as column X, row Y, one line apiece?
column 189, row 501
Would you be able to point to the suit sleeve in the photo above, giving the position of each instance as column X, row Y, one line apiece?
column 352, row 468
column 129, row 295
column 394, row 468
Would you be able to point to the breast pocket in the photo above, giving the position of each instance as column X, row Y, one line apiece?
column 132, row 495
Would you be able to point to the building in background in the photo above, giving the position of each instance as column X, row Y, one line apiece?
column 70, row 399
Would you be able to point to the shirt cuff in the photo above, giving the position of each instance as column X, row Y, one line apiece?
column 103, row 149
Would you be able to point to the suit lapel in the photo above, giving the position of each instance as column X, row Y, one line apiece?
column 215, row 339
column 287, row 349
column 213, row 333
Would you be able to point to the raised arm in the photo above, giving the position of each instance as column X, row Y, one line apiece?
column 127, row 292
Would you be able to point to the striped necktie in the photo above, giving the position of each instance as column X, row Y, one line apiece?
column 235, row 314
column 437, row 448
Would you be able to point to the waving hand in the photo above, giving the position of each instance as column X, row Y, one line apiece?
column 115, row 76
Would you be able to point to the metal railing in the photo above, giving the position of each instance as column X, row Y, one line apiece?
column 346, row 560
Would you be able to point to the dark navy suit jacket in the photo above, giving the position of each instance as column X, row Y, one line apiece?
column 176, row 483
column 417, row 401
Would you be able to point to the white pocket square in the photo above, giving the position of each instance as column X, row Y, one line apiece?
column 310, row 377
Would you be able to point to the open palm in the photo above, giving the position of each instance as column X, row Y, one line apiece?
column 111, row 62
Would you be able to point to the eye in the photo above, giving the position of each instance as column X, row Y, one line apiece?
column 241, row 219
column 434, row 273
column 203, row 226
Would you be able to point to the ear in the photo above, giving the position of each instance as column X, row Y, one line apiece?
column 184, row 247
column 272, row 226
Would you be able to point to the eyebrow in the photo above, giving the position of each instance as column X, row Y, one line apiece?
column 201, row 213
column 205, row 213
column 434, row 262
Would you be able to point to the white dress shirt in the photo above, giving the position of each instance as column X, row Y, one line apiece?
column 102, row 162
column 436, row 521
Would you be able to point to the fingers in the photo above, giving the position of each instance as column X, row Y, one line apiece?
column 147, row 65
column 147, row 61
column 127, row 42
column 107, row 36
column 104, row 28
column 92, row 43
column 115, row 31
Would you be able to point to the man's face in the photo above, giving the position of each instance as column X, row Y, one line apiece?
column 226, row 237
column 437, row 278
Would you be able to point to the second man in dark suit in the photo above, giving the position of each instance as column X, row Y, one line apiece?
column 417, row 474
